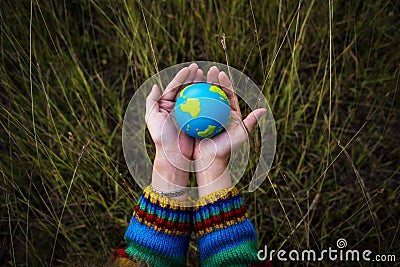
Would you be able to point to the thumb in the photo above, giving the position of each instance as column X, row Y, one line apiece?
column 152, row 101
column 251, row 120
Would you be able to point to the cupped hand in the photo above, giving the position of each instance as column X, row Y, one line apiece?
column 173, row 147
column 160, row 118
column 236, row 132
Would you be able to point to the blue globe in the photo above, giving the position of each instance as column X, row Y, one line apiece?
column 202, row 110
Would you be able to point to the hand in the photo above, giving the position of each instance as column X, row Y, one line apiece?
column 211, row 155
column 173, row 147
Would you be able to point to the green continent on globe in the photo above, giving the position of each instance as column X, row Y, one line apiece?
column 219, row 91
column 210, row 130
column 192, row 105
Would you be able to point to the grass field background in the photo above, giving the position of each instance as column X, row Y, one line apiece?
column 329, row 69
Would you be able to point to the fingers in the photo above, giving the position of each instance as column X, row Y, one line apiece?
column 199, row 76
column 225, row 82
column 212, row 75
column 227, row 87
column 251, row 120
column 152, row 101
column 184, row 76
column 173, row 86
column 166, row 105
column 193, row 68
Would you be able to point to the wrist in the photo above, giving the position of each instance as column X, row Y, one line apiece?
column 209, row 170
column 170, row 163
column 212, row 176
column 167, row 177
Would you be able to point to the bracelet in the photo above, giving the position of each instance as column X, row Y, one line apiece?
column 170, row 194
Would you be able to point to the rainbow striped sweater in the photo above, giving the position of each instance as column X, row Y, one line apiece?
column 160, row 229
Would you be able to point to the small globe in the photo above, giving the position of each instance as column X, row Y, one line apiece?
column 202, row 110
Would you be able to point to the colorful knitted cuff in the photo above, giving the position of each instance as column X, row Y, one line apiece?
column 159, row 231
column 226, row 237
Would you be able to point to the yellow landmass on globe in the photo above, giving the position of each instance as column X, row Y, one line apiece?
column 219, row 91
column 210, row 129
column 192, row 105
column 183, row 91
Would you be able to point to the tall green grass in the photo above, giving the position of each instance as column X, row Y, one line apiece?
column 329, row 69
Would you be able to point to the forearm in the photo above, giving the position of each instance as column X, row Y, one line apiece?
column 226, row 237
column 159, row 231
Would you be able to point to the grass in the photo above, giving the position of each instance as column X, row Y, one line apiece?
column 329, row 69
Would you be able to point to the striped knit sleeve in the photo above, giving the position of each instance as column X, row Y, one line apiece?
column 159, row 231
column 226, row 237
